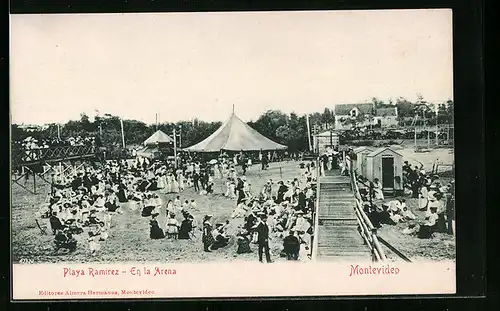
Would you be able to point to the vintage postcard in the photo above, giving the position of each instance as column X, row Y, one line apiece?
column 234, row 154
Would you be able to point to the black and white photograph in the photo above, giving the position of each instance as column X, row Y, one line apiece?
column 232, row 138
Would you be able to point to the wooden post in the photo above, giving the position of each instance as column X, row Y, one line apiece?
column 308, row 132
column 415, row 135
column 180, row 136
column 331, row 139
column 175, row 149
column 437, row 134
column 123, row 133
column 448, row 134
column 281, row 175
column 34, row 182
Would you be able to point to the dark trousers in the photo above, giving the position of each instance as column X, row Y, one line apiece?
column 196, row 186
column 264, row 246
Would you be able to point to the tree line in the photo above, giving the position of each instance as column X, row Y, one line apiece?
column 288, row 129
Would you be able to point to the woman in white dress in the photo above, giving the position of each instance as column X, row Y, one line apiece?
column 217, row 174
column 172, row 227
column 160, row 183
column 168, row 185
column 377, row 189
column 175, row 185
column 423, row 197
column 228, row 188
column 180, row 180
column 170, row 208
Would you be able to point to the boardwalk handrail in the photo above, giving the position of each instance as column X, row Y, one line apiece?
column 316, row 214
column 368, row 231
column 21, row 156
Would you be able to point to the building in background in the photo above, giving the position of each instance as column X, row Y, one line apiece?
column 364, row 115
column 386, row 117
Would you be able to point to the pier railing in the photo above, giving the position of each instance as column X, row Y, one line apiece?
column 367, row 230
column 314, row 246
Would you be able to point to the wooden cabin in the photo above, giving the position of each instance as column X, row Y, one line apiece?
column 387, row 165
column 360, row 163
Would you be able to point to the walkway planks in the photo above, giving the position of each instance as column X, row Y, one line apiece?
column 338, row 235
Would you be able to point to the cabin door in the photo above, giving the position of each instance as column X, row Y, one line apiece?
column 388, row 173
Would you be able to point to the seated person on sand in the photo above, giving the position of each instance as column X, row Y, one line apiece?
column 99, row 202
column 384, row 215
column 406, row 212
column 73, row 226
column 93, row 241
column 192, row 204
column 243, row 241
column 395, row 211
column 304, row 252
column 64, row 239
column 301, row 224
column 93, row 219
column 291, row 246
column 112, row 203
column 186, row 227
column 148, row 206
column 55, row 223
column 250, row 220
column 172, row 227
column 102, row 232
column 240, row 210
column 429, row 226
column 220, row 237
column 155, row 232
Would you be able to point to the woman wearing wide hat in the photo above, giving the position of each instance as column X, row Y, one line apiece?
column 155, row 231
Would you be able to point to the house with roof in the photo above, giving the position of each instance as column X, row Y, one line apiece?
column 346, row 114
column 386, row 117
column 364, row 114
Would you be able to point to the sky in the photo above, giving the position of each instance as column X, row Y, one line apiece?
column 187, row 65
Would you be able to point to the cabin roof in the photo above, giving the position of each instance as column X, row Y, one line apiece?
column 386, row 112
column 380, row 150
column 361, row 149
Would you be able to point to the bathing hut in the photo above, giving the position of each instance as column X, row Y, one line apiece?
column 386, row 165
column 360, row 164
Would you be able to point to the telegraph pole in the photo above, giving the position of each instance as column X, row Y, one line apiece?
column 175, row 148
column 180, row 136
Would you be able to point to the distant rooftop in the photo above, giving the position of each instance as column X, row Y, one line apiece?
column 344, row 109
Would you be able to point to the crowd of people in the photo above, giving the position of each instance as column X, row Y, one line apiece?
column 435, row 199
column 32, row 143
column 88, row 200
column 282, row 211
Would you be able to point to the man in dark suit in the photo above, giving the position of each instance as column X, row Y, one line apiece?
column 262, row 230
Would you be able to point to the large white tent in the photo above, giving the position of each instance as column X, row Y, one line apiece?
column 235, row 135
